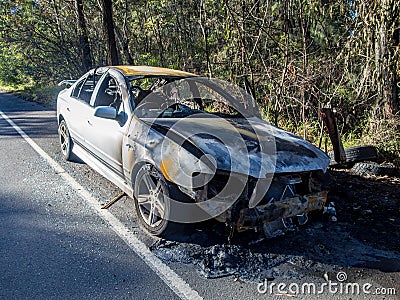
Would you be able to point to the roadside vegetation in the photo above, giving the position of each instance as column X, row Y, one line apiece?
column 299, row 55
column 46, row 95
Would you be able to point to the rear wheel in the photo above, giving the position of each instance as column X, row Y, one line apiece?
column 65, row 140
column 152, row 200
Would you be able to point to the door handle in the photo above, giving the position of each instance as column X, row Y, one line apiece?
column 90, row 123
column 68, row 108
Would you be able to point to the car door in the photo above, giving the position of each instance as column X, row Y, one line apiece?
column 78, row 108
column 104, row 137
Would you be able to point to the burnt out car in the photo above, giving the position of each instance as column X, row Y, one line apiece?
column 188, row 148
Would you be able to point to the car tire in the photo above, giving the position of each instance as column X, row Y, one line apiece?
column 372, row 168
column 152, row 205
column 354, row 155
column 65, row 140
column 357, row 154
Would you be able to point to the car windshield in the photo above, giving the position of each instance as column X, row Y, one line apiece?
column 178, row 98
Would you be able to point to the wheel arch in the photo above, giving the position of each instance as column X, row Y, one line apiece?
column 136, row 167
column 173, row 186
column 60, row 118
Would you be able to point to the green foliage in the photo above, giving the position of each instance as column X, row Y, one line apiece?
column 46, row 95
column 43, row 94
column 13, row 71
column 385, row 134
column 300, row 55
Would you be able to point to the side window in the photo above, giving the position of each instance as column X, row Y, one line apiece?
column 75, row 92
column 84, row 89
column 108, row 93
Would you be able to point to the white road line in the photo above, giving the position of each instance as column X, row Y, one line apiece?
column 177, row 284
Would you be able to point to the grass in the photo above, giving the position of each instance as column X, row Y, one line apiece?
column 384, row 134
column 46, row 95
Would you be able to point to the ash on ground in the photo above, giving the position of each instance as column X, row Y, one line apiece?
column 366, row 235
column 312, row 251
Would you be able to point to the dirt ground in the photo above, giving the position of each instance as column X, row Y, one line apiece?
column 364, row 241
column 371, row 205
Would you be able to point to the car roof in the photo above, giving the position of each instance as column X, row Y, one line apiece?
column 151, row 71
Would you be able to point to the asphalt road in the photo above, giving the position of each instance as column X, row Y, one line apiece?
column 53, row 243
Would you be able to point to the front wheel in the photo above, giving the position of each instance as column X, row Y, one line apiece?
column 152, row 200
column 65, row 140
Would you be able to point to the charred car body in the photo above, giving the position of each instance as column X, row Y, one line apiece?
column 188, row 149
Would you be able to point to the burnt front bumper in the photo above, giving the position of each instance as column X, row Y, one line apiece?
column 251, row 218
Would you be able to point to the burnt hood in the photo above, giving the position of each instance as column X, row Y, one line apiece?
column 248, row 146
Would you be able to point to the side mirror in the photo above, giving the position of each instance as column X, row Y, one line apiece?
column 106, row 112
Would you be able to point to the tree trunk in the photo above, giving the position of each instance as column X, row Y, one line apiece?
column 395, row 67
column 203, row 18
column 386, row 59
column 124, row 46
column 84, row 46
column 108, row 25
